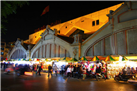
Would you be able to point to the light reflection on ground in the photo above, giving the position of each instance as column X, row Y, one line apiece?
column 45, row 83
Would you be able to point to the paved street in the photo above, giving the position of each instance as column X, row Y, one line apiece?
column 43, row 83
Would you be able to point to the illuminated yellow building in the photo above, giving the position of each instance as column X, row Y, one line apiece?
column 89, row 23
column 110, row 31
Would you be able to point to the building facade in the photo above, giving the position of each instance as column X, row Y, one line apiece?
column 111, row 31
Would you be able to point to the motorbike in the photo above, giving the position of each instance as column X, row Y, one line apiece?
column 121, row 77
column 100, row 76
column 8, row 71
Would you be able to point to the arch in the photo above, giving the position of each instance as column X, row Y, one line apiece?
column 92, row 45
column 50, row 50
column 18, row 53
column 123, row 40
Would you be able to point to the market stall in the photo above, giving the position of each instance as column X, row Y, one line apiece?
column 114, row 67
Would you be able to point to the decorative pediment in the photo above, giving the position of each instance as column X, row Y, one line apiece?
column 48, row 33
column 18, row 43
column 47, row 37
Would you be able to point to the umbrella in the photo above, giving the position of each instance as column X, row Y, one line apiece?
column 83, row 58
column 95, row 58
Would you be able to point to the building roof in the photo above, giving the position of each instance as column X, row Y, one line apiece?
column 67, row 39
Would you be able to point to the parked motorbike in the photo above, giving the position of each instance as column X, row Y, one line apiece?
column 100, row 76
column 121, row 77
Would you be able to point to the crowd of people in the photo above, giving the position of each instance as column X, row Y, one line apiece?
column 79, row 71
column 129, row 70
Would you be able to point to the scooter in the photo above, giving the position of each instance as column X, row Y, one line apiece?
column 8, row 71
column 121, row 77
column 100, row 76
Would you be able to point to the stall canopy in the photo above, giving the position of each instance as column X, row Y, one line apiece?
column 67, row 58
column 88, row 58
column 101, row 57
column 124, row 58
column 95, row 58
column 55, row 58
column 74, row 59
column 131, row 57
column 83, row 58
column 109, row 58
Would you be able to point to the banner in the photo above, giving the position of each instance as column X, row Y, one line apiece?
column 45, row 10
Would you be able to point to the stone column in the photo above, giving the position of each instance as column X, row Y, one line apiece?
column 28, row 53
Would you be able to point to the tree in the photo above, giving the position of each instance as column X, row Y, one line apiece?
column 7, row 8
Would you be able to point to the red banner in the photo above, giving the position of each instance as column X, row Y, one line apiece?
column 45, row 10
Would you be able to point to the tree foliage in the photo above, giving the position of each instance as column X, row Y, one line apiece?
column 7, row 8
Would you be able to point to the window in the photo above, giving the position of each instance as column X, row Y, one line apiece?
column 82, row 21
column 93, row 23
column 97, row 22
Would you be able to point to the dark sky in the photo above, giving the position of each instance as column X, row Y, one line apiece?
column 27, row 18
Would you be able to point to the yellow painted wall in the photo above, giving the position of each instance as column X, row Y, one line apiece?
column 83, row 23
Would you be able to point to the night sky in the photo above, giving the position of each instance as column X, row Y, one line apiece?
column 27, row 18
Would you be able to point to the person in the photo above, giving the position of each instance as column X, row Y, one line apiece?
column 133, row 70
column 69, row 71
column 124, row 71
column 37, row 67
column 98, row 69
column 84, row 73
column 128, row 71
column 72, row 70
column 62, row 70
column 39, row 70
column 49, row 70
column 79, row 71
column 55, row 69
column 103, row 72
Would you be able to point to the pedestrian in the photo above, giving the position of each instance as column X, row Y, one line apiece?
column 79, row 71
column 103, row 72
column 62, row 70
column 69, row 71
column 37, row 67
column 39, row 70
column 56, row 69
column 124, row 71
column 84, row 73
column 128, row 71
column 133, row 71
column 49, row 70
column 72, row 70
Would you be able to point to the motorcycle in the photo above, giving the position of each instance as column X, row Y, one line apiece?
column 8, row 71
column 100, row 76
column 121, row 77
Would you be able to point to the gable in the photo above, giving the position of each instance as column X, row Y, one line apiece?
column 47, row 37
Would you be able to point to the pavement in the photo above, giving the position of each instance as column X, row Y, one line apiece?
column 59, row 83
